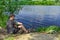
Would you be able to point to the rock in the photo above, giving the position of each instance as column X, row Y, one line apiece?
column 2, row 37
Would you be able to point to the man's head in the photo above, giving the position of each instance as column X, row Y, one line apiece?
column 12, row 16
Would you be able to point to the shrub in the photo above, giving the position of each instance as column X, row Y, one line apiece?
column 49, row 29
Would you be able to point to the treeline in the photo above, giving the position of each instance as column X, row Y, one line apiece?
column 7, row 7
column 38, row 3
column 29, row 2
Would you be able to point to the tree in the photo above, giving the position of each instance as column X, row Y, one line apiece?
column 7, row 6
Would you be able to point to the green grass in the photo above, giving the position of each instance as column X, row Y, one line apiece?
column 9, row 38
column 49, row 29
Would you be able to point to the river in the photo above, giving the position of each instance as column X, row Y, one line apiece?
column 37, row 16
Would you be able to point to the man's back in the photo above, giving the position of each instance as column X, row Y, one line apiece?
column 10, row 25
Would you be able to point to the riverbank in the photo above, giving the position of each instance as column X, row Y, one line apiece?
column 29, row 36
column 34, row 36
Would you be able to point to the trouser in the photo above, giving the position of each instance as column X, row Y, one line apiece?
column 12, row 30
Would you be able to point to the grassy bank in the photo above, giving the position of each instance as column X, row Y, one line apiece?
column 49, row 29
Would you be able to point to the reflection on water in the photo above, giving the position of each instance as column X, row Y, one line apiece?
column 35, row 16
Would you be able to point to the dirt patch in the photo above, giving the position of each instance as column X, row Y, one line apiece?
column 37, row 36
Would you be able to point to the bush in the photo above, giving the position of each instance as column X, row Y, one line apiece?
column 41, row 29
column 3, row 21
column 49, row 29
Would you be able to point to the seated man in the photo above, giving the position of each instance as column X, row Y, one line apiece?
column 12, row 27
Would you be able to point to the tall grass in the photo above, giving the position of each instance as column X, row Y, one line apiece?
column 49, row 29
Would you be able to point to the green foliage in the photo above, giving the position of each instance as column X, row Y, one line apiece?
column 41, row 29
column 52, row 29
column 11, row 6
column 3, row 20
column 7, row 6
column 49, row 29
column 38, row 2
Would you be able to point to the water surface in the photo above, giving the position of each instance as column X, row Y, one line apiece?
column 36, row 16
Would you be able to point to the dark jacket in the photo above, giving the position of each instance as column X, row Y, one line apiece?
column 10, row 26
